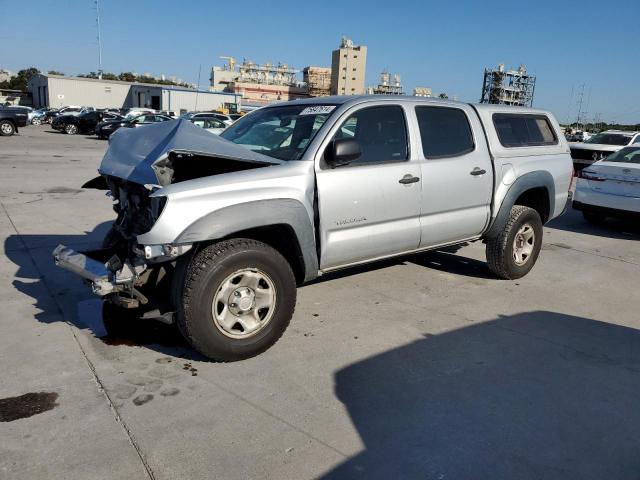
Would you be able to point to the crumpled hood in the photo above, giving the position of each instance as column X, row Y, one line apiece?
column 133, row 152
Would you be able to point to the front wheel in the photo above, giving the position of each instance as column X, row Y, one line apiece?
column 71, row 129
column 237, row 300
column 6, row 128
column 36, row 121
column 513, row 252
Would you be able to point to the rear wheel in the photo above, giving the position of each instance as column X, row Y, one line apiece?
column 594, row 218
column 513, row 252
column 237, row 300
column 71, row 129
column 36, row 121
column 7, row 128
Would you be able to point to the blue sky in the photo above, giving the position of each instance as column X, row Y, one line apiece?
column 443, row 45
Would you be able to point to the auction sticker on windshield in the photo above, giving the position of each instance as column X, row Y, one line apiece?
column 317, row 110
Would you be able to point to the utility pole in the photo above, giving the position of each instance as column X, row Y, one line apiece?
column 580, row 99
column 198, row 87
column 99, row 40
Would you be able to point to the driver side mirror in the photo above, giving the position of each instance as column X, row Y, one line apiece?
column 342, row 151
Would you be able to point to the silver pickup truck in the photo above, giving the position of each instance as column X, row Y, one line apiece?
column 215, row 233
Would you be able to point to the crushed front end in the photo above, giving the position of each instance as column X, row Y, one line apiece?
column 122, row 271
column 137, row 166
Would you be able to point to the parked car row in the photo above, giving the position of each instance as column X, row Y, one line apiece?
column 104, row 123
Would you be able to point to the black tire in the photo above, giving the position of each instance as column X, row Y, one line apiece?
column 7, row 128
column 594, row 218
column 500, row 249
column 70, row 129
column 205, row 274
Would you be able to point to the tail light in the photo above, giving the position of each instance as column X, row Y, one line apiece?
column 591, row 176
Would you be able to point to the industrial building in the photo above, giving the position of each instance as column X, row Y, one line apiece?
column 318, row 80
column 57, row 91
column 348, row 68
column 386, row 86
column 422, row 92
column 258, row 84
column 510, row 87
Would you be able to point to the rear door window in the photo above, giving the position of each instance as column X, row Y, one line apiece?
column 523, row 130
column 444, row 131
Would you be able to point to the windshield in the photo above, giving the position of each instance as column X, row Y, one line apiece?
column 186, row 115
column 625, row 155
column 609, row 139
column 279, row 132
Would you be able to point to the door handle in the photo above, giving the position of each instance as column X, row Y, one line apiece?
column 408, row 178
column 477, row 171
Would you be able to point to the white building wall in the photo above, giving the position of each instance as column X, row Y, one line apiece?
column 57, row 91
column 69, row 91
column 180, row 100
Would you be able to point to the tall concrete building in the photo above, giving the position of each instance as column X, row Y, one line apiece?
column 348, row 68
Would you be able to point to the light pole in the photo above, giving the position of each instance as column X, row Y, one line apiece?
column 99, row 40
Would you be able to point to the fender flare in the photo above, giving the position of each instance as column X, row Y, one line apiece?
column 260, row 213
column 536, row 179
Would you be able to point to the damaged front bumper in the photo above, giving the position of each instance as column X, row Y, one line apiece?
column 110, row 278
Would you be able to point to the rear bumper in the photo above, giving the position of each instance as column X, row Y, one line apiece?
column 587, row 197
column 607, row 211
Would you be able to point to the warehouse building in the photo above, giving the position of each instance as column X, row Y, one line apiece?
column 58, row 91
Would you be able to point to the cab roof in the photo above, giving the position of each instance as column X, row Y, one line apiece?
column 355, row 99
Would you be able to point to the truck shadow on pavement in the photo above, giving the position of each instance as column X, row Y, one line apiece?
column 60, row 296
column 443, row 259
column 572, row 221
column 528, row 396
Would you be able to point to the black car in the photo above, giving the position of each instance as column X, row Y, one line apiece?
column 10, row 119
column 105, row 129
column 57, row 112
column 83, row 123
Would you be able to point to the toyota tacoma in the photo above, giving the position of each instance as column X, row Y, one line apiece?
column 215, row 233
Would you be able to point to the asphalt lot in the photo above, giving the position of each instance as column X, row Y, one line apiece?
column 425, row 367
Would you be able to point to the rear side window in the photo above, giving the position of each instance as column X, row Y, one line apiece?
column 516, row 130
column 445, row 132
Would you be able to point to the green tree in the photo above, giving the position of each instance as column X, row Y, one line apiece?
column 443, row 95
column 19, row 82
column 127, row 77
column 88, row 75
column 55, row 72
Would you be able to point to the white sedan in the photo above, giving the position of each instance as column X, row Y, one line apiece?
column 210, row 124
column 610, row 187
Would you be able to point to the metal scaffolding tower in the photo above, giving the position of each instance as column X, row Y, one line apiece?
column 511, row 87
column 386, row 86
